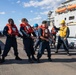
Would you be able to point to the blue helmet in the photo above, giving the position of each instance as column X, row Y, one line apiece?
column 35, row 25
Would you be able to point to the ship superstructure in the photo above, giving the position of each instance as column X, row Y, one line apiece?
column 66, row 11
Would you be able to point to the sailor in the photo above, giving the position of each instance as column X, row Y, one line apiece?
column 44, row 35
column 10, row 31
column 37, row 41
column 53, row 32
column 62, row 38
column 28, row 36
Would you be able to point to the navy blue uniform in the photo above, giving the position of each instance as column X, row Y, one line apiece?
column 28, row 42
column 10, row 42
column 43, row 45
column 10, row 31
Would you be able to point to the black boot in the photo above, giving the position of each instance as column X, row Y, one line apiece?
column 2, row 60
column 17, row 58
column 38, row 60
column 30, row 60
column 34, row 58
column 49, row 59
column 68, row 53
column 56, row 51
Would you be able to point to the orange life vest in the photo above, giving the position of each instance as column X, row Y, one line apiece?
column 45, row 32
column 40, row 26
column 12, row 30
column 27, row 27
column 53, row 31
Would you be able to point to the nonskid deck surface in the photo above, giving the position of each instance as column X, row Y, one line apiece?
column 61, row 63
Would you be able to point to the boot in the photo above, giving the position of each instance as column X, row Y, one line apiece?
column 30, row 60
column 38, row 60
column 68, row 53
column 17, row 58
column 49, row 59
column 34, row 58
column 56, row 51
column 2, row 60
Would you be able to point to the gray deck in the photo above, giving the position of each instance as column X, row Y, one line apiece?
column 61, row 64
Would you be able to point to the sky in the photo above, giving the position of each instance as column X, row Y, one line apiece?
column 34, row 10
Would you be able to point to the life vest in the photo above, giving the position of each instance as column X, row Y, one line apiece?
column 53, row 30
column 63, row 31
column 27, row 27
column 40, row 26
column 12, row 30
column 45, row 32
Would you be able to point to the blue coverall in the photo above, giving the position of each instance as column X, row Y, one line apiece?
column 43, row 45
column 28, row 42
column 10, row 42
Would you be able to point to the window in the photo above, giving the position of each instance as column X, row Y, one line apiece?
column 71, row 17
column 65, row 19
